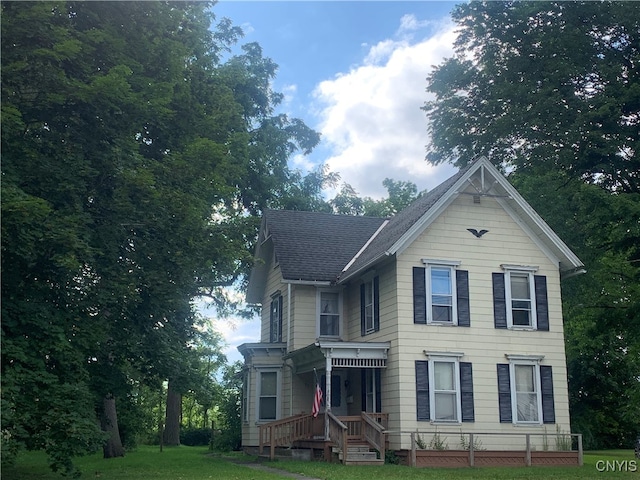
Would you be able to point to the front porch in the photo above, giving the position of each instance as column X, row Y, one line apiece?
column 352, row 439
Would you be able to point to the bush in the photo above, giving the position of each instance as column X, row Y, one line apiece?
column 195, row 437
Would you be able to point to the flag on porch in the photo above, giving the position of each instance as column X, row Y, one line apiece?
column 317, row 400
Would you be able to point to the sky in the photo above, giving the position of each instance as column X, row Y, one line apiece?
column 355, row 72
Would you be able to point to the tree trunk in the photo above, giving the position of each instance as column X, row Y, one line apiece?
column 113, row 446
column 172, row 419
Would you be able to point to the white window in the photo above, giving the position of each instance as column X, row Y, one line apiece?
column 441, row 291
column 370, row 390
column 268, row 398
column 368, row 309
column 444, row 377
column 520, row 298
column 329, row 308
column 526, row 401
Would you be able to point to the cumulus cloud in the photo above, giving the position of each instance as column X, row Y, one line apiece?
column 370, row 116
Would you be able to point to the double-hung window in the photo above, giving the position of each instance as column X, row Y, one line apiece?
column 369, row 305
column 520, row 298
column 275, row 318
column 329, row 308
column 245, row 396
column 268, row 385
column 444, row 389
column 525, row 391
column 441, row 293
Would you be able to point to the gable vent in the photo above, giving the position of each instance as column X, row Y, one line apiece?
column 476, row 199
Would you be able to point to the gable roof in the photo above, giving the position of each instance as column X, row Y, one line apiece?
column 404, row 227
column 325, row 248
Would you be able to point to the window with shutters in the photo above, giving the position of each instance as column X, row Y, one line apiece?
column 369, row 306
column 520, row 299
column 444, row 389
column 441, row 293
column 525, row 391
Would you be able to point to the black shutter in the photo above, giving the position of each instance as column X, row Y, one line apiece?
column 504, row 393
column 336, row 394
column 376, row 304
column 378, row 379
column 422, row 389
column 466, row 391
column 462, row 292
column 363, row 317
column 363, row 389
column 280, row 318
column 546, row 385
column 499, row 301
column 542, row 305
column 419, row 296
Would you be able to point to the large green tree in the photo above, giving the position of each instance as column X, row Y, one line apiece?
column 551, row 92
column 134, row 158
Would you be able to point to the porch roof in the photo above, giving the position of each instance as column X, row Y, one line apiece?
column 341, row 354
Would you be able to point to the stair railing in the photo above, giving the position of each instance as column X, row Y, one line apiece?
column 338, row 435
column 284, row 432
column 374, row 433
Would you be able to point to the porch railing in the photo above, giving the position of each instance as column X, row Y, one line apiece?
column 338, row 434
column 374, row 433
column 284, row 432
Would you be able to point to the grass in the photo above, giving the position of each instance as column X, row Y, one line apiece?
column 196, row 463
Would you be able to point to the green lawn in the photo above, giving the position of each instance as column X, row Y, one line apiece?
column 195, row 463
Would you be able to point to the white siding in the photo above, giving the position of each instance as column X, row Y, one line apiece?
column 482, row 344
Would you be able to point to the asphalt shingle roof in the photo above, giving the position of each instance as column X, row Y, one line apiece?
column 316, row 246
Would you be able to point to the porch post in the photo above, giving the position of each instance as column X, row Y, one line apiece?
column 327, row 389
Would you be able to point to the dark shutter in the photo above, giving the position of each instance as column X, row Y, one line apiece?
column 419, row 296
column 422, row 389
column 499, row 301
column 363, row 389
column 272, row 334
column 378, row 378
column 462, row 292
column 376, row 304
column 336, row 391
column 542, row 305
column 363, row 316
column 546, row 385
column 280, row 318
column 466, row 392
column 504, row 393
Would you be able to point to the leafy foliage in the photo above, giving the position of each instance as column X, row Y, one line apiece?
column 134, row 162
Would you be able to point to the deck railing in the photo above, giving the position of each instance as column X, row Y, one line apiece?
column 338, row 433
column 374, row 433
column 284, row 432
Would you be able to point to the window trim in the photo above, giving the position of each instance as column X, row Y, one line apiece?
column 452, row 266
column 246, row 378
column 520, row 271
column 319, row 293
column 454, row 359
column 277, row 300
column 522, row 360
column 278, row 372
column 369, row 285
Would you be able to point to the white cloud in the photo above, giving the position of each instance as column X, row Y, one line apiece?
column 371, row 118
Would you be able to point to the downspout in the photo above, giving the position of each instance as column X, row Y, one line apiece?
column 285, row 364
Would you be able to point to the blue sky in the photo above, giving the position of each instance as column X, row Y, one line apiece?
column 355, row 72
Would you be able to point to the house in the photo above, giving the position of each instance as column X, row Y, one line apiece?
column 445, row 317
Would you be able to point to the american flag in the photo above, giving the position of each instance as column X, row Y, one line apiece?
column 317, row 400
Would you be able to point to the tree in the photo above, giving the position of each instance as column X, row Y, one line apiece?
column 134, row 162
column 400, row 195
column 551, row 92
column 542, row 84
